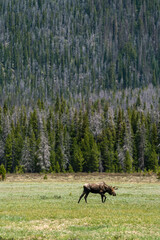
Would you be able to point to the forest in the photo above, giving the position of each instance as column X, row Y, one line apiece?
column 83, row 137
column 79, row 85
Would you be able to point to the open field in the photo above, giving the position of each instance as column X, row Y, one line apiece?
column 34, row 208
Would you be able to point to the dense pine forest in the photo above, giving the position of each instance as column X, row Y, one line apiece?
column 79, row 85
column 79, row 136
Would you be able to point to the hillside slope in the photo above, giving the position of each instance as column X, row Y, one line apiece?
column 72, row 47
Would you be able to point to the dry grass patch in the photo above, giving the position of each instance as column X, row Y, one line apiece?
column 53, row 225
column 84, row 177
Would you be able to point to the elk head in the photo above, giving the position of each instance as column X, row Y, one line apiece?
column 111, row 190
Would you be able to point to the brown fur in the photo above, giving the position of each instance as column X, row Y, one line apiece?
column 100, row 188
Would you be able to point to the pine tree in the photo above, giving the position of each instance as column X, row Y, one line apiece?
column 121, row 157
column 2, row 153
column 94, row 159
column 120, row 128
column 86, row 149
column 77, row 159
column 5, row 127
column 33, row 123
column 128, row 162
column 27, row 160
column 140, row 139
column 52, row 160
column 104, row 153
column 33, row 149
column 17, row 148
column 154, row 136
column 59, row 159
column 153, row 161
column 43, row 153
column 107, row 150
column 59, row 153
column 8, row 154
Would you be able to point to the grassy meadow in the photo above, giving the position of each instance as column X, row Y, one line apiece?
column 34, row 208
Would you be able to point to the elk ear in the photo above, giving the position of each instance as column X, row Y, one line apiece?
column 115, row 188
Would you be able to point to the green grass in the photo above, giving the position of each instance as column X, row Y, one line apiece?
column 49, row 210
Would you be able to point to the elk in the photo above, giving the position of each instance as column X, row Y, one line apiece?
column 100, row 188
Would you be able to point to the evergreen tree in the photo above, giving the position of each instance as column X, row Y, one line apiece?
column 94, row 159
column 2, row 153
column 140, row 144
column 59, row 159
column 148, row 152
column 33, row 123
column 52, row 160
column 153, row 161
column 120, row 128
column 105, row 158
column 128, row 162
column 43, row 153
column 17, row 149
column 154, row 136
column 33, row 149
column 86, row 149
column 107, row 150
column 121, row 158
column 27, row 160
column 8, row 154
column 78, row 159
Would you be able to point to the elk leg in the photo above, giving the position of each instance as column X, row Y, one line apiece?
column 104, row 198
column 86, row 196
column 81, row 196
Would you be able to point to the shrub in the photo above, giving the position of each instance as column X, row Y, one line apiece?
column 2, row 172
column 70, row 169
column 158, row 174
column 57, row 167
column 19, row 169
column 45, row 177
column 150, row 172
